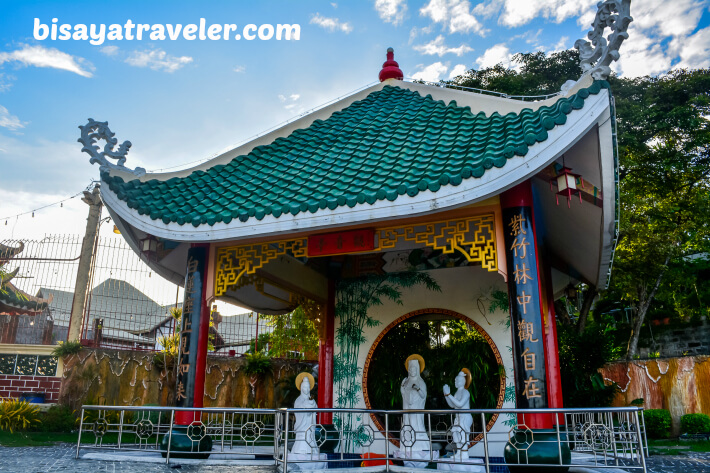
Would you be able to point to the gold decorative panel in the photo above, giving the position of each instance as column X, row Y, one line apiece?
column 474, row 237
column 235, row 261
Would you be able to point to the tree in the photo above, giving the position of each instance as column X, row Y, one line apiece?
column 664, row 154
column 292, row 333
column 664, row 139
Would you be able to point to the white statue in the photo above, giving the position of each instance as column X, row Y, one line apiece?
column 461, row 429
column 305, row 447
column 414, row 442
column 305, row 437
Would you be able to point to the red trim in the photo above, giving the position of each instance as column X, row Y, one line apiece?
column 325, row 358
column 552, row 354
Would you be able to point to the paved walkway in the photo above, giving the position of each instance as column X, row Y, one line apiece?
column 61, row 458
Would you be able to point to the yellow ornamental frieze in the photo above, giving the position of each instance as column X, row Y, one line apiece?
column 473, row 237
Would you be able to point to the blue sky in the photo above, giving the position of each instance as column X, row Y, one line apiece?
column 183, row 101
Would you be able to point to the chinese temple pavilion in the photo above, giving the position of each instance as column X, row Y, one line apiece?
column 473, row 188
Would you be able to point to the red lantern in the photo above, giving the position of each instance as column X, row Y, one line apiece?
column 566, row 182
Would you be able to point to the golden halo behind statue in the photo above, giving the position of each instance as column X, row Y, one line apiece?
column 414, row 357
column 299, row 380
column 467, row 373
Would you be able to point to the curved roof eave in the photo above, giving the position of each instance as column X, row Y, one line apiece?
column 470, row 190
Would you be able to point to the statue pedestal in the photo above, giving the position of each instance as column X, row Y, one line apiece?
column 311, row 465
column 407, row 457
column 454, row 465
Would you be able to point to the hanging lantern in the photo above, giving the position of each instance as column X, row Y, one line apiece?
column 566, row 182
column 149, row 247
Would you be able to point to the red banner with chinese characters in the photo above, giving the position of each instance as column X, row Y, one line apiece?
column 340, row 243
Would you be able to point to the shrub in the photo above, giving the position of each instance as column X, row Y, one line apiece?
column 658, row 423
column 57, row 419
column 695, row 424
column 17, row 415
column 66, row 348
column 257, row 364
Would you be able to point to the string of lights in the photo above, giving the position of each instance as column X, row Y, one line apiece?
column 60, row 202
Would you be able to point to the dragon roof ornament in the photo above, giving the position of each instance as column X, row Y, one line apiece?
column 595, row 57
column 94, row 131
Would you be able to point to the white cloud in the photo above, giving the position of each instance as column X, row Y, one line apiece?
column 291, row 102
column 454, row 15
column 8, row 121
column 39, row 56
column 458, row 70
column 5, row 82
column 659, row 41
column 240, row 69
column 391, row 11
column 695, row 50
column 109, row 50
column 561, row 45
column 158, row 60
column 520, row 12
column 641, row 55
column 438, row 47
column 431, row 73
column 331, row 24
column 498, row 54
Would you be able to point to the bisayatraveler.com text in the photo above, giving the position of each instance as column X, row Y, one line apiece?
column 99, row 33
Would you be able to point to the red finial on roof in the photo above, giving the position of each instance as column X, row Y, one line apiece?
column 390, row 69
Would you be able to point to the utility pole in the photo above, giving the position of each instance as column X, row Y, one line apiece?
column 86, row 259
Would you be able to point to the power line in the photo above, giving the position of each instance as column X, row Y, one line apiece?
column 61, row 202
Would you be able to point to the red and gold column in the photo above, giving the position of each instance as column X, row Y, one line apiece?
column 526, row 303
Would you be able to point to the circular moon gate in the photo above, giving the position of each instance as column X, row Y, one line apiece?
column 454, row 315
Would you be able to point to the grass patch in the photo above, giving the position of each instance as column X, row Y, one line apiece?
column 676, row 447
column 35, row 439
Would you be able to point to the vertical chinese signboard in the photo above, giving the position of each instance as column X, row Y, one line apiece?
column 189, row 328
column 526, row 318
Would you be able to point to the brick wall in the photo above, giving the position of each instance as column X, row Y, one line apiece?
column 15, row 385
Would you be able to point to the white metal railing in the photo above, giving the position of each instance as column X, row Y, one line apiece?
column 603, row 438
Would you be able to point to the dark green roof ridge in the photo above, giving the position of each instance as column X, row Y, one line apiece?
column 392, row 142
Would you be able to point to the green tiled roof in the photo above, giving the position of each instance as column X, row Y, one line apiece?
column 391, row 143
column 11, row 297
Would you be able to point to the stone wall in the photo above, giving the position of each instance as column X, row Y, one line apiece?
column 680, row 385
column 674, row 341
column 133, row 378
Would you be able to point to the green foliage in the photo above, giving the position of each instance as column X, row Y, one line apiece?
column 354, row 297
column 17, row 415
column 658, row 423
column 536, row 74
column 66, row 348
column 292, row 332
column 500, row 302
column 664, row 163
column 695, row 424
column 257, row 364
column 57, row 419
column 581, row 356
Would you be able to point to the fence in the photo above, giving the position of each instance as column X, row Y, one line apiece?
column 128, row 306
column 597, row 438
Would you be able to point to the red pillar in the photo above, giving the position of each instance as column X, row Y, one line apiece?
column 526, row 304
column 203, row 336
column 194, row 335
column 552, row 354
column 325, row 357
